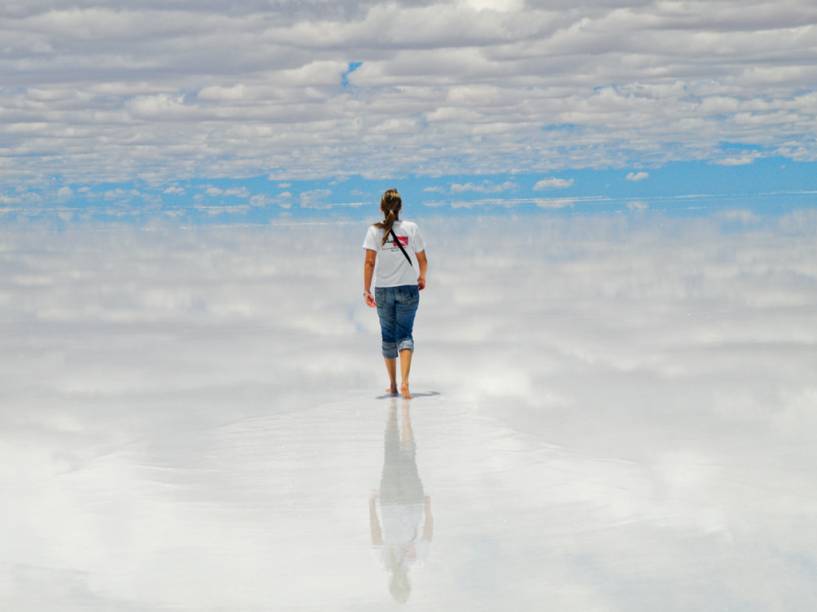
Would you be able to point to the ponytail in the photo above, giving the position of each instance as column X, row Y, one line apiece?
column 390, row 205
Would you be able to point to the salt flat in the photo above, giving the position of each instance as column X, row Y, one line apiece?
column 613, row 413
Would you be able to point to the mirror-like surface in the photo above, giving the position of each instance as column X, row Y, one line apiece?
column 611, row 414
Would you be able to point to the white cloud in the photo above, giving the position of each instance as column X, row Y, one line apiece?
column 160, row 106
column 261, row 200
column 552, row 183
column 315, row 198
column 232, row 192
column 472, row 87
column 119, row 194
column 739, row 215
column 637, row 205
column 213, row 210
column 502, row 6
column 739, row 160
column 217, row 93
column 282, row 200
column 554, row 203
column 637, row 176
column 483, row 187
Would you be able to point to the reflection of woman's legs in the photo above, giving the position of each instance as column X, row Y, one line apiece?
column 400, row 482
column 406, row 431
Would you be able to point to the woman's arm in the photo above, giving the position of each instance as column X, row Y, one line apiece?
column 421, row 259
column 368, row 272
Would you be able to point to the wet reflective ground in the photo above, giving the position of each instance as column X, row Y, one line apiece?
column 610, row 415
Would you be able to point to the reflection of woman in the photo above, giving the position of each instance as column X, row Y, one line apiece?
column 396, row 257
column 407, row 526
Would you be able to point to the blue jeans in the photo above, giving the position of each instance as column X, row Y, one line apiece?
column 396, row 307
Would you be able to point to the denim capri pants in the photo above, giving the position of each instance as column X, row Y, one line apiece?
column 396, row 307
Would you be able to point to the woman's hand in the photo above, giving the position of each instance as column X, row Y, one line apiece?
column 369, row 299
column 423, row 261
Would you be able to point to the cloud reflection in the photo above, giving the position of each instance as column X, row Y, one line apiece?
column 189, row 417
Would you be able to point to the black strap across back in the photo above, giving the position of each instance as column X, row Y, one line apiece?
column 398, row 243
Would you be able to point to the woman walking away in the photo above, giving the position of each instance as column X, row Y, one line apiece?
column 395, row 252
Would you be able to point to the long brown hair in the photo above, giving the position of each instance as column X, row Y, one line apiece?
column 390, row 204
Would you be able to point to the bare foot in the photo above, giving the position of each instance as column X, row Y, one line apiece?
column 392, row 389
column 404, row 391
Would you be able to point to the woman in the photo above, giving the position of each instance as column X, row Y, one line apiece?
column 394, row 253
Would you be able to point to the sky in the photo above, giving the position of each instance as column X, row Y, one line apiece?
column 259, row 110
column 616, row 355
column 193, row 419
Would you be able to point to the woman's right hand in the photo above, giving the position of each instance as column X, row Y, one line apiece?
column 421, row 282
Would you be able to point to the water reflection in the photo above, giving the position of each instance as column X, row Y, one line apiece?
column 636, row 430
column 402, row 531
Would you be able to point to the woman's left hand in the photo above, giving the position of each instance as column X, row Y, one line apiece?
column 369, row 299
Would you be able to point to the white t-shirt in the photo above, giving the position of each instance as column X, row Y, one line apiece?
column 391, row 268
column 403, row 526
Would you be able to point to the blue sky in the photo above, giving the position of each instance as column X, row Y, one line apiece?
column 466, row 106
column 767, row 186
